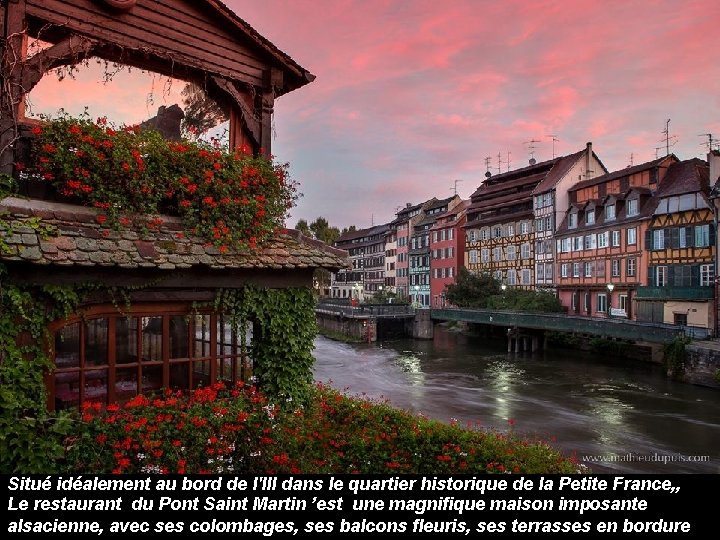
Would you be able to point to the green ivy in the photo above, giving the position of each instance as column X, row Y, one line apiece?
column 675, row 356
column 31, row 439
column 282, row 348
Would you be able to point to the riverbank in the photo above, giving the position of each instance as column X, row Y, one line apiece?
column 620, row 415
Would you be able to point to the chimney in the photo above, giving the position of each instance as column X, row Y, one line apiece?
column 588, row 158
column 408, row 205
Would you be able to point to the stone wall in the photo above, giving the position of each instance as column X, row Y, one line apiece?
column 702, row 366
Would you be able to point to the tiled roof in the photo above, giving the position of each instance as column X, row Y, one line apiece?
column 627, row 171
column 687, row 176
column 80, row 241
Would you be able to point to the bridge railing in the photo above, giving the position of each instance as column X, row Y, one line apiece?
column 608, row 327
column 376, row 310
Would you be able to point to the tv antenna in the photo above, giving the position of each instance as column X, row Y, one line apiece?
column 632, row 157
column 454, row 188
column 710, row 142
column 668, row 138
column 554, row 140
column 500, row 162
column 531, row 150
column 488, row 174
column 508, row 160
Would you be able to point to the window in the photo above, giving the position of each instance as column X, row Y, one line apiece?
column 524, row 227
column 497, row 254
column 540, row 271
column 497, row 232
column 600, row 268
column 707, row 274
column 511, row 253
column 610, row 212
column 576, row 269
column 471, row 236
column 630, row 267
column 623, row 302
column 658, row 237
column 660, row 276
column 615, row 238
column 602, row 240
column 632, row 236
column 572, row 220
column 615, row 270
column 525, row 275
column 511, row 277
column 485, row 255
column 590, row 217
column 498, row 275
column 511, row 230
column 565, row 245
column 472, row 256
column 435, row 236
column 525, row 251
column 564, row 270
column 574, row 302
column 702, row 235
column 588, row 269
column 451, row 234
column 150, row 350
column 548, row 270
column 549, row 223
column 601, row 303
column 590, row 241
column 539, row 225
column 682, row 275
column 577, row 243
column 632, row 207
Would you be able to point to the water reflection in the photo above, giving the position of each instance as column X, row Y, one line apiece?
column 586, row 405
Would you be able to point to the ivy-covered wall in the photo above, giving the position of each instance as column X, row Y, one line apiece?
column 31, row 438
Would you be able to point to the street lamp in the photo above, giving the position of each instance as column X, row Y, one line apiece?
column 503, row 287
column 417, row 294
column 610, row 288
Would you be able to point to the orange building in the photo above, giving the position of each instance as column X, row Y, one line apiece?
column 601, row 257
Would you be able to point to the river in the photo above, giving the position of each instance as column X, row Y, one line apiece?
column 624, row 414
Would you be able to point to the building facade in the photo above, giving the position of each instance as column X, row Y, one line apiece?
column 447, row 251
column 550, row 200
column 680, row 241
column 601, row 260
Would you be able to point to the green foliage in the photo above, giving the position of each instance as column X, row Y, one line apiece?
column 30, row 438
column 470, row 290
column 232, row 199
column 282, row 349
column 606, row 346
column 675, row 356
column 523, row 300
column 237, row 430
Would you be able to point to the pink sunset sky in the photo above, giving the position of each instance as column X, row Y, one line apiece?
column 413, row 95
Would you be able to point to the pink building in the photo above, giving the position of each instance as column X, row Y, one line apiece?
column 447, row 251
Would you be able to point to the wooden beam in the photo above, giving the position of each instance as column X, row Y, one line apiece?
column 66, row 52
column 245, row 112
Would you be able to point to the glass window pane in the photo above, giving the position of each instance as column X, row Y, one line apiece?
column 152, row 339
column 152, row 378
column 67, row 346
column 201, row 373
column 179, row 334
column 126, row 386
column 67, row 390
column 126, row 340
column 96, row 386
column 179, row 376
column 202, row 336
column 96, row 342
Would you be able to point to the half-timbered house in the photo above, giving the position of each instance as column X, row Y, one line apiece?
column 680, row 241
column 600, row 257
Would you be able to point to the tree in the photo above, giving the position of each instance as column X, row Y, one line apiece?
column 470, row 290
column 323, row 231
column 303, row 227
column 523, row 300
column 201, row 112
column 351, row 228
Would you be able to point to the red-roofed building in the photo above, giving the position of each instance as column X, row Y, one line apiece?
column 447, row 251
column 600, row 257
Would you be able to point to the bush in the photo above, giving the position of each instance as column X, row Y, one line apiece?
column 236, row 430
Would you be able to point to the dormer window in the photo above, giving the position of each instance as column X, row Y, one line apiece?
column 572, row 220
column 610, row 212
column 632, row 207
column 589, row 217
